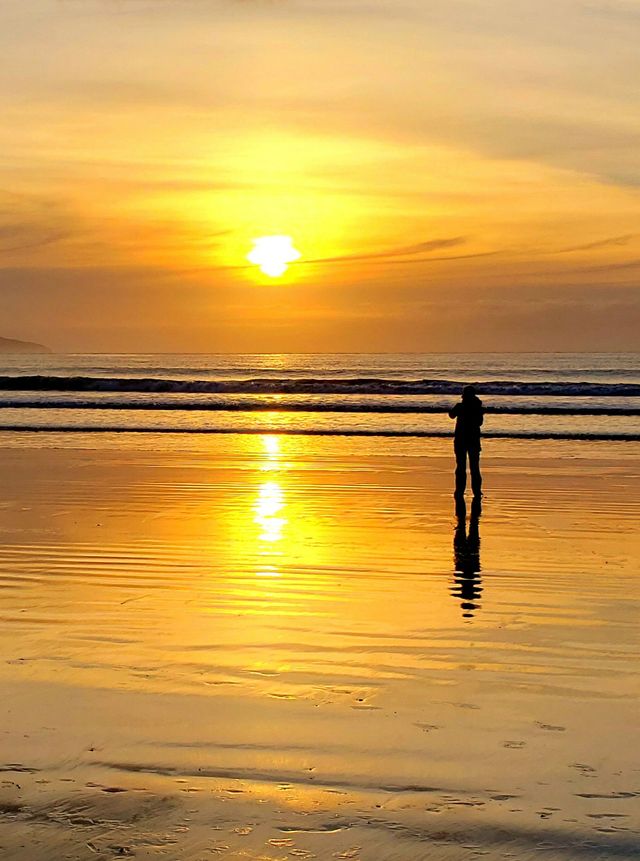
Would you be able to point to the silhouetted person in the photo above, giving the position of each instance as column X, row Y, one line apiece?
column 466, row 557
column 469, row 416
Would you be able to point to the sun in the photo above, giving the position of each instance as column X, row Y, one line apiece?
column 272, row 254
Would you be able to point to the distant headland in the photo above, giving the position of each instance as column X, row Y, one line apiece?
column 11, row 345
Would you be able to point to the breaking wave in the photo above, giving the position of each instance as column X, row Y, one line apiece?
column 345, row 432
column 314, row 386
column 368, row 406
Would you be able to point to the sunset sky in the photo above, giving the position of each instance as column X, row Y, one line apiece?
column 460, row 174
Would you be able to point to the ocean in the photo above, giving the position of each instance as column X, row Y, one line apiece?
column 526, row 395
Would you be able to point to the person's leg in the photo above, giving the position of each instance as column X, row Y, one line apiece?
column 474, row 469
column 461, row 468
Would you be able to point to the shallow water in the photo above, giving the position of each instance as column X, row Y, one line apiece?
column 274, row 647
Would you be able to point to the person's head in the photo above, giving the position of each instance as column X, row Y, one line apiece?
column 468, row 393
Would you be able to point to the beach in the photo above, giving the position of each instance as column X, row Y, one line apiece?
column 266, row 647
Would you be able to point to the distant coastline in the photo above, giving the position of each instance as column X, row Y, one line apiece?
column 11, row 345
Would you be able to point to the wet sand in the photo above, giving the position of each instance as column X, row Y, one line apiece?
column 285, row 647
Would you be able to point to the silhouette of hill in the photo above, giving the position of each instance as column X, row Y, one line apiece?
column 11, row 345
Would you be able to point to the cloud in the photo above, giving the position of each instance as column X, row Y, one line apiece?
column 547, row 82
column 137, row 309
column 613, row 241
column 390, row 253
column 29, row 222
column 23, row 237
column 629, row 264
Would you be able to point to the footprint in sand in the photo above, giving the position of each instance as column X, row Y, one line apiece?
column 585, row 770
column 427, row 727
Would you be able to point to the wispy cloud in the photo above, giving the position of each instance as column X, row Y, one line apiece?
column 390, row 253
column 612, row 241
column 609, row 267
column 29, row 222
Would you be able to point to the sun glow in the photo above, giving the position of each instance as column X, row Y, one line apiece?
column 272, row 254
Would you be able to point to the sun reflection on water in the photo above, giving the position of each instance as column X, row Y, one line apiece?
column 278, row 533
column 272, row 450
column 271, row 498
column 269, row 503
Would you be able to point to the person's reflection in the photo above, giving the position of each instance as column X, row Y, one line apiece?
column 467, row 586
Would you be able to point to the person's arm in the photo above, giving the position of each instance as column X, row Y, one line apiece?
column 454, row 412
column 480, row 414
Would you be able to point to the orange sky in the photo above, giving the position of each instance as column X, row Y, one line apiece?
column 457, row 175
